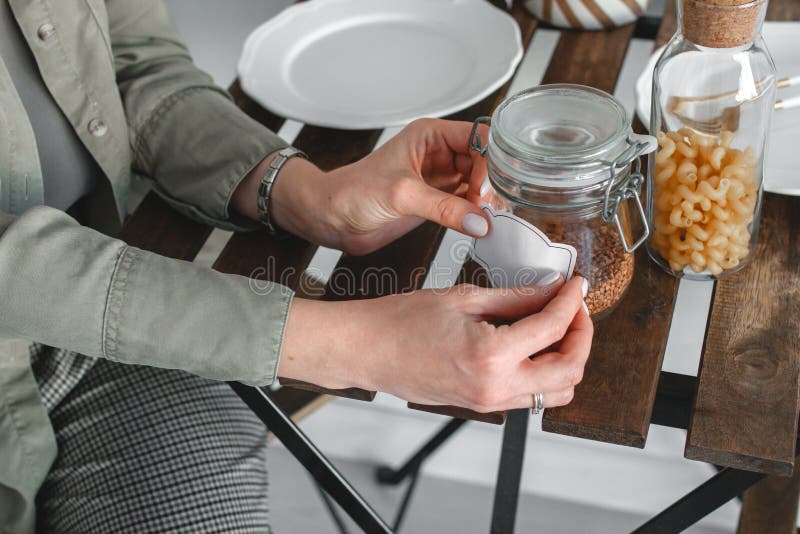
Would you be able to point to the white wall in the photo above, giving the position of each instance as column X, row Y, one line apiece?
column 215, row 30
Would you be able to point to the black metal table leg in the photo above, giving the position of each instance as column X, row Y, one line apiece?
column 401, row 511
column 331, row 506
column 703, row 500
column 387, row 475
column 326, row 475
column 673, row 402
column 509, row 474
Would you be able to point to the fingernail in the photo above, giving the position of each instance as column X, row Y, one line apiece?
column 585, row 287
column 586, row 309
column 485, row 187
column 474, row 224
column 548, row 279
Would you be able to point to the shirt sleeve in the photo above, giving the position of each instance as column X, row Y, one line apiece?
column 68, row 286
column 186, row 133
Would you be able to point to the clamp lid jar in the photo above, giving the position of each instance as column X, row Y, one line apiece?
column 564, row 158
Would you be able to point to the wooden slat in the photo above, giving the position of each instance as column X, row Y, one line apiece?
column 405, row 258
column 330, row 148
column 589, row 58
column 770, row 507
column 615, row 400
column 263, row 257
column 495, row 418
column 350, row 393
column 746, row 408
column 783, row 10
column 156, row 227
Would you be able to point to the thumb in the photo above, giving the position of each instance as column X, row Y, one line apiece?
column 421, row 200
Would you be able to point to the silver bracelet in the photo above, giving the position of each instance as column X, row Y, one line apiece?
column 265, row 188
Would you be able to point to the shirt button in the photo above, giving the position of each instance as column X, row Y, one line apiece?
column 46, row 31
column 97, row 127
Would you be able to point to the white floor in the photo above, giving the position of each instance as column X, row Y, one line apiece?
column 439, row 505
column 569, row 485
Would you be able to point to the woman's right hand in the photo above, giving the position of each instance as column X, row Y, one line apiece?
column 464, row 346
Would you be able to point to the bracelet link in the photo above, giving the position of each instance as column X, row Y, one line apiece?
column 267, row 181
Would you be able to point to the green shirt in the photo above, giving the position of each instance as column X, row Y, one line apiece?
column 68, row 170
column 120, row 74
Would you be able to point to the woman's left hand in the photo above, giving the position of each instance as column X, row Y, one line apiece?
column 427, row 171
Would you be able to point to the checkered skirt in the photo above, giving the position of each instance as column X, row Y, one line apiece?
column 147, row 450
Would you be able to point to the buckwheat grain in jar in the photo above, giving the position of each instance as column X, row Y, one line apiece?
column 564, row 158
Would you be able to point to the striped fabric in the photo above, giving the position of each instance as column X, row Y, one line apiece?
column 145, row 450
column 586, row 14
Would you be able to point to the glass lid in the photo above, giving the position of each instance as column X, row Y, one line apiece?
column 561, row 132
column 560, row 122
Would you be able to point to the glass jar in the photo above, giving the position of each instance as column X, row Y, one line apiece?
column 564, row 158
column 713, row 97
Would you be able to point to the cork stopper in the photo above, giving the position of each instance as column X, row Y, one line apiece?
column 721, row 23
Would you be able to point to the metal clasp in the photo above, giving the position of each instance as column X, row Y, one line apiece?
column 638, row 146
column 475, row 136
column 631, row 191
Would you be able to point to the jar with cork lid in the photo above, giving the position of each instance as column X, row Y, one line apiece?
column 563, row 159
column 713, row 97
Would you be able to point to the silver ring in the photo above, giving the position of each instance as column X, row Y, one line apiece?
column 538, row 403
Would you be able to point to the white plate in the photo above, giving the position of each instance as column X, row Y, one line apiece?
column 376, row 63
column 780, row 176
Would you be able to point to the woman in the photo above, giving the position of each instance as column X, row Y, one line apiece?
column 92, row 92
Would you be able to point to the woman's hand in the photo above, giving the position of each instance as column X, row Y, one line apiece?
column 425, row 172
column 422, row 173
column 442, row 347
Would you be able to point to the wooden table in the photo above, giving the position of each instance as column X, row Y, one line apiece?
column 741, row 412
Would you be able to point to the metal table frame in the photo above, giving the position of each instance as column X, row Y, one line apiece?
column 672, row 408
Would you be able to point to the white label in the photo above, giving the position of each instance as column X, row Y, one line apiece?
column 515, row 253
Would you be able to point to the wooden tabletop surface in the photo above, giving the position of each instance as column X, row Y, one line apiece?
column 745, row 411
